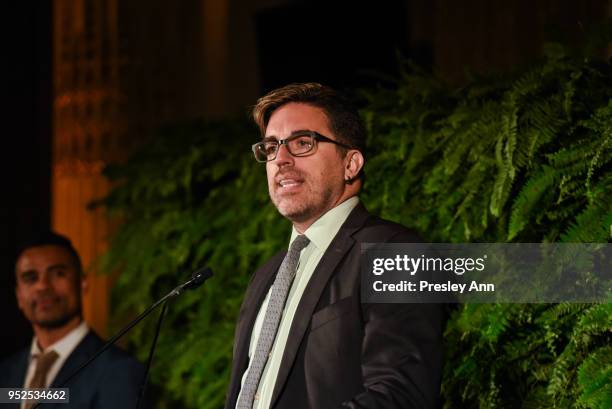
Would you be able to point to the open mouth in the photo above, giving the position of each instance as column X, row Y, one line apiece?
column 290, row 183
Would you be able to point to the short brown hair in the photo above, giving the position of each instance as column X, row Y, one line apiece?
column 344, row 120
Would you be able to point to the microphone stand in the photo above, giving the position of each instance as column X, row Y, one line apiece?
column 197, row 279
column 145, row 378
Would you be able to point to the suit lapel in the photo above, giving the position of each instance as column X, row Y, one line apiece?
column 16, row 370
column 338, row 248
column 83, row 351
column 16, row 373
column 262, row 281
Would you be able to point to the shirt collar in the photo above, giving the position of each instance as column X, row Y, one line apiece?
column 64, row 346
column 325, row 228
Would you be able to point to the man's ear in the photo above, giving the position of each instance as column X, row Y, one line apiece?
column 354, row 162
column 18, row 298
column 84, row 283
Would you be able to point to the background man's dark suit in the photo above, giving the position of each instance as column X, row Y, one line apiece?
column 339, row 350
column 111, row 381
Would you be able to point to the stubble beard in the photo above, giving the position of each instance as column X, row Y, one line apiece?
column 56, row 320
column 298, row 210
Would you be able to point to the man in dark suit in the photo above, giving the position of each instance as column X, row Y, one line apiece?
column 49, row 281
column 304, row 339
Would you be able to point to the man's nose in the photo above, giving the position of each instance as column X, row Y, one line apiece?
column 43, row 282
column 283, row 156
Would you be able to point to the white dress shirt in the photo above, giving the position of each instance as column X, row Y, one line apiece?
column 63, row 347
column 320, row 234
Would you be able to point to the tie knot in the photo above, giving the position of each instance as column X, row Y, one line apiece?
column 299, row 243
column 46, row 359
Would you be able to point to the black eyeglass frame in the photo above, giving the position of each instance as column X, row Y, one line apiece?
column 313, row 134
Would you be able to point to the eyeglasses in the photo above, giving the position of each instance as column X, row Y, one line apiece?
column 298, row 144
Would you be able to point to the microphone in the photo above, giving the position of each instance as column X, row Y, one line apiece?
column 197, row 279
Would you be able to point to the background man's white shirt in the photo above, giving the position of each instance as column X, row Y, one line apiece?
column 63, row 347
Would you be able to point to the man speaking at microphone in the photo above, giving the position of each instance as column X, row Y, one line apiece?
column 304, row 339
column 49, row 280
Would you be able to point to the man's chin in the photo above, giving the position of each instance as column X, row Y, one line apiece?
column 294, row 214
column 51, row 322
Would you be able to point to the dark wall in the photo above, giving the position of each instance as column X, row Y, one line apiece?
column 25, row 153
column 483, row 36
column 337, row 43
column 341, row 44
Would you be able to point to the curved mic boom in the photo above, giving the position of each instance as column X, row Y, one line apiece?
column 196, row 280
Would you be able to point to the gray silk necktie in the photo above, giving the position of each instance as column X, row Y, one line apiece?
column 276, row 304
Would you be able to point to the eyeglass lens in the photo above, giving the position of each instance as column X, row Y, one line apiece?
column 296, row 145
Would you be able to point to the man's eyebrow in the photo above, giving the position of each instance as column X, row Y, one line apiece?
column 300, row 131
column 59, row 266
column 269, row 138
column 276, row 138
column 27, row 273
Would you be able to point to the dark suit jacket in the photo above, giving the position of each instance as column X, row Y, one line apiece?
column 340, row 352
column 111, row 381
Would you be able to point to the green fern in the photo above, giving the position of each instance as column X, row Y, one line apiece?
column 525, row 158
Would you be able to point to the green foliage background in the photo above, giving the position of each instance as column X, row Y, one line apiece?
column 524, row 158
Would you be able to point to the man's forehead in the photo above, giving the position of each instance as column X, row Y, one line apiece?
column 293, row 117
column 43, row 256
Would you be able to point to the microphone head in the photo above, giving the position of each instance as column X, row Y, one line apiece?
column 198, row 278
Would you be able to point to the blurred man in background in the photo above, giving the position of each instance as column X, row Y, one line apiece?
column 49, row 282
